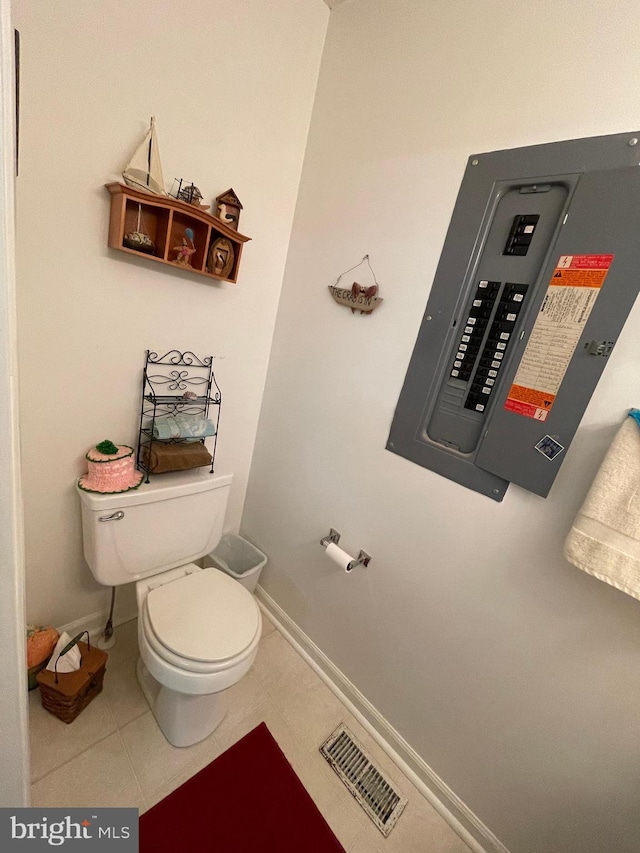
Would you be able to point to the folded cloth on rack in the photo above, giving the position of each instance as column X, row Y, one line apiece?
column 160, row 458
column 605, row 538
column 182, row 426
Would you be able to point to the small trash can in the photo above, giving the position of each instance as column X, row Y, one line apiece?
column 238, row 558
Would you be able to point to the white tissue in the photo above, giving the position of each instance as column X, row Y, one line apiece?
column 338, row 556
column 67, row 663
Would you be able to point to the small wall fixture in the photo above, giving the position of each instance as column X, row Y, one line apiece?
column 342, row 558
column 359, row 297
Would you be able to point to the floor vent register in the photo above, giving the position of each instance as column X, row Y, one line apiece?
column 355, row 768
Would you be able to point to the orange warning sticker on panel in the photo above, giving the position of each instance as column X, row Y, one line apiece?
column 529, row 395
column 568, row 302
column 526, row 409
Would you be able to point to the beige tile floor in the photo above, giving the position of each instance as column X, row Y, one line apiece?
column 114, row 754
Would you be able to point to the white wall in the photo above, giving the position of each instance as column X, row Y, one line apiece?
column 14, row 748
column 514, row 676
column 231, row 86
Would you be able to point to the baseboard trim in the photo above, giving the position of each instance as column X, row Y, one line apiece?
column 94, row 623
column 459, row 817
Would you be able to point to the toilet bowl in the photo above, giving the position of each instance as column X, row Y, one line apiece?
column 198, row 634
column 198, row 629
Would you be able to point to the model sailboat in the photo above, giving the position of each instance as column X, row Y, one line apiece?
column 144, row 171
column 139, row 239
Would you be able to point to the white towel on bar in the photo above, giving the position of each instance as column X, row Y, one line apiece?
column 605, row 537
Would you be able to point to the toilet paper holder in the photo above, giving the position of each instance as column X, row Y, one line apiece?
column 334, row 537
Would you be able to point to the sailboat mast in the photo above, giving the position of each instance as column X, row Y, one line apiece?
column 150, row 150
column 149, row 159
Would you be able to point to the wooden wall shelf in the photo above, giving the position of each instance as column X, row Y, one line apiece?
column 218, row 247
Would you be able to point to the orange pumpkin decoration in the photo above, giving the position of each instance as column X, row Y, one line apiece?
column 40, row 643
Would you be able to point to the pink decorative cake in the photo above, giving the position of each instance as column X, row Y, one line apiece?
column 111, row 468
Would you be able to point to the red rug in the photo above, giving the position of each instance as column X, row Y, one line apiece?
column 249, row 800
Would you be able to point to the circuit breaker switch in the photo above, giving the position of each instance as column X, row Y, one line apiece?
column 521, row 234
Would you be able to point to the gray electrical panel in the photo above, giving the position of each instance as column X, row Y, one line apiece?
column 539, row 270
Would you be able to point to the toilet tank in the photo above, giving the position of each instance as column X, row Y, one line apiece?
column 170, row 521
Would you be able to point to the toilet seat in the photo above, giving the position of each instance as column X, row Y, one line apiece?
column 203, row 622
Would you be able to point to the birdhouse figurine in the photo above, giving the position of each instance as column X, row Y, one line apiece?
column 228, row 207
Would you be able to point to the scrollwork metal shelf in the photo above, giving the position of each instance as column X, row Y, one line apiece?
column 180, row 373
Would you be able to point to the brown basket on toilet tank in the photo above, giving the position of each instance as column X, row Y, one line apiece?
column 65, row 694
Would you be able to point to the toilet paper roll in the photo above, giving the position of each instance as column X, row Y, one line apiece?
column 338, row 556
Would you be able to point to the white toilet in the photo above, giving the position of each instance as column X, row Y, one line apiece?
column 198, row 629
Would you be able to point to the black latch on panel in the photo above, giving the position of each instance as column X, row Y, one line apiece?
column 599, row 347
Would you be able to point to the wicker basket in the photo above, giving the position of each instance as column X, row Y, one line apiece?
column 65, row 694
column 32, row 673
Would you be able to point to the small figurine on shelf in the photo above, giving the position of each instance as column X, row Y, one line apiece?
column 185, row 251
column 220, row 258
column 139, row 239
column 228, row 208
column 191, row 194
column 144, row 171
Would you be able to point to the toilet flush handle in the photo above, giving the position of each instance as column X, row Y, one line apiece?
column 116, row 516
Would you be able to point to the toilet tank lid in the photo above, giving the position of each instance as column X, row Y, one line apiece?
column 160, row 487
column 221, row 621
